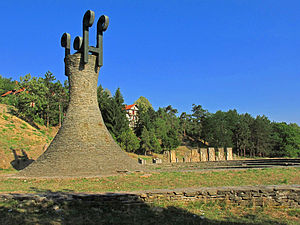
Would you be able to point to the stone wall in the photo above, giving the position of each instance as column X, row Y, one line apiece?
column 211, row 154
column 202, row 154
column 195, row 156
column 229, row 154
column 220, row 155
column 173, row 156
column 245, row 196
column 254, row 196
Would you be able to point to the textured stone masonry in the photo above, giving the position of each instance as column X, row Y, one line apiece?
column 203, row 154
column 83, row 146
column 173, row 156
column 195, row 156
column 255, row 196
column 220, row 156
column 229, row 154
column 211, row 154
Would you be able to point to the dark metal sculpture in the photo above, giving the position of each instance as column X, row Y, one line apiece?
column 82, row 44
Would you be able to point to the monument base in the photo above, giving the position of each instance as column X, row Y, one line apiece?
column 83, row 146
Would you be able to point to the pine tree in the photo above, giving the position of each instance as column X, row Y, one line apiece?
column 129, row 141
column 113, row 112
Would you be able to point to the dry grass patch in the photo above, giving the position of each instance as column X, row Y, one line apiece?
column 156, row 180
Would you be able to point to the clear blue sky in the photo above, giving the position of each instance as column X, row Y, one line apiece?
column 221, row 54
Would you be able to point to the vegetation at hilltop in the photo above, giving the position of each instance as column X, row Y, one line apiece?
column 45, row 101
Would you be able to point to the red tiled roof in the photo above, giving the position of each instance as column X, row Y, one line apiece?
column 20, row 90
column 129, row 106
column 7, row 93
column 13, row 92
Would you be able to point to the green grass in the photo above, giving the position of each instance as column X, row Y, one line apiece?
column 156, row 180
column 159, row 212
column 5, row 117
column 23, row 126
column 230, row 213
column 10, row 126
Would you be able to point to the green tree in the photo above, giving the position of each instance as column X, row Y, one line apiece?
column 242, row 134
column 146, row 118
column 149, row 141
column 196, row 123
column 129, row 141
column 113, row 112
column 143, row 104
column 6, row 84
column 48, row 81
column 286, row 140
column 261, row 136
column 57, row 104
column 167, row 128
column 44, row 102
column 184, row 121
column 216, row 131
column 32, row 103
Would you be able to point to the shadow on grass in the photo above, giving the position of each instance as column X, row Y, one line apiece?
column 67, row 207
column 21, row 161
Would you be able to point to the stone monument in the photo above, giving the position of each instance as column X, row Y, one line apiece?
column 221, row 156
column 173, row 156
column 203, row 154
column 195, row 156
column 83, row 146
column 229, row 154
column 211, row 154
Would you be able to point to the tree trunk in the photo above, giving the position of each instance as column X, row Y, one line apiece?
column 48, row 109
column 59, row 116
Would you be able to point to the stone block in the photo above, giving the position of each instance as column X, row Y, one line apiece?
column 211, row 154
column 229, row 154
column 187, row 159
column 221, row 156
column 195, row 156
column 203, row 154
column 172, row 156
column 166, row 156
column 156, row 160
column 141, row 161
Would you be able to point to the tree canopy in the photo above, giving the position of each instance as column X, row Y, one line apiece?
column 44, row 100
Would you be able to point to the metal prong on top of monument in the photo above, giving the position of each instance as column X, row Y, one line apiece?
column 66, row 42
column 81, row 44
column 88, row 20
column 102, row 25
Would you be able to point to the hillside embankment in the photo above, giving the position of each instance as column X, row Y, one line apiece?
column 20, row 139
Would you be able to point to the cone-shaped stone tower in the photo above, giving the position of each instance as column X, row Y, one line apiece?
column 83, row 146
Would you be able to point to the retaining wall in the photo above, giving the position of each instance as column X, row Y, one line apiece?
column 254, row 196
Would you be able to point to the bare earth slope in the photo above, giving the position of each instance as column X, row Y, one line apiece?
column 16, row 134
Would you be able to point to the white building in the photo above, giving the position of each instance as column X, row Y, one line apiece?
column 131, row 114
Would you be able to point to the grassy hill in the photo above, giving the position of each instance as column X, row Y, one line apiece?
column 18, row 135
